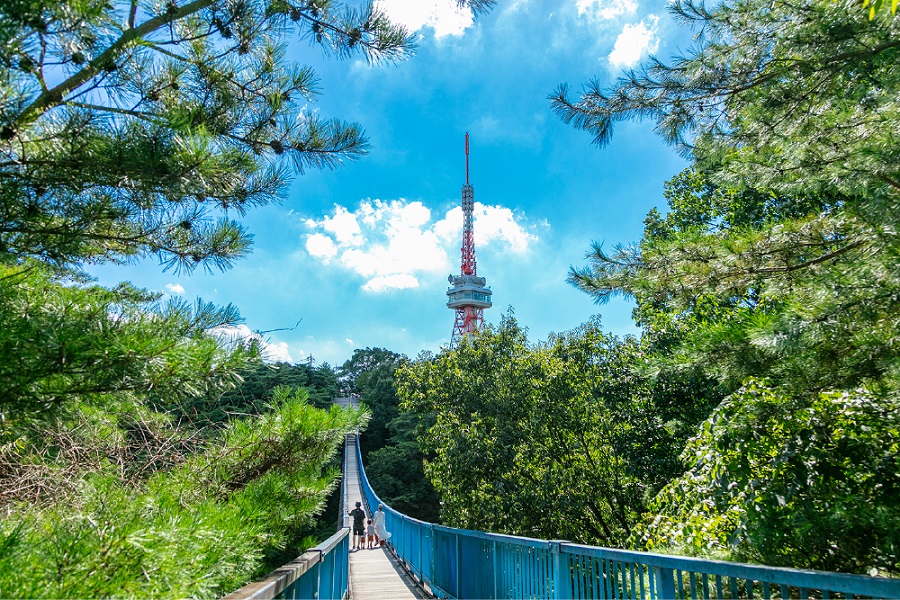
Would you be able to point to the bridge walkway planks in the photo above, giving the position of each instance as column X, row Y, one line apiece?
column 374, row 574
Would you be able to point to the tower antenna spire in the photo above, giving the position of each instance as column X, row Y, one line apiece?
column 467, row 158
column 468, row 296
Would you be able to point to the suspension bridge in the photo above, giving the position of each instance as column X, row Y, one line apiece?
column 423, row 560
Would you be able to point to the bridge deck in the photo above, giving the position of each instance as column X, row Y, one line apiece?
column 374, row 574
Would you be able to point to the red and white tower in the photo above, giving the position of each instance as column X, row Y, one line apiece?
column 468, row 297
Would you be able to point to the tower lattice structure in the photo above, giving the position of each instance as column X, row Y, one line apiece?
column 468, row 296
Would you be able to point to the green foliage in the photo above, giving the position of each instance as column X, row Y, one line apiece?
column 200, row 528
column 874, row 6
column 562, row 440
column 253, row 388
column 791, row 482
column 133, row 129
column 67, row 342
column 799, row 290
column 259, row 381
column 778, row 263
column 108, row 483
column 397, row 472
column 375, row 385
column 362, row 360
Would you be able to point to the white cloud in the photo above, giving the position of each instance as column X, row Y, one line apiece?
column 492, row 223
column 241, row 334
column 343, row 225
column 391, row 282
column 174, row 288
column 277, row 353
column 606, row 9
column 321, row 246
column 634, row 42
column 445, row 17
column 399, row 242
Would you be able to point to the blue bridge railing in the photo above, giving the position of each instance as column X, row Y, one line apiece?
column 321, row 572
column 458, row 563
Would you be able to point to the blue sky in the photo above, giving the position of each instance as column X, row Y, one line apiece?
column 360, row 255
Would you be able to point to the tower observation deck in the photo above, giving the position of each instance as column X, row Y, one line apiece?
column 468, row 296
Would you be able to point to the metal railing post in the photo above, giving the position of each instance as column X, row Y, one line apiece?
column 458, row 563
column 562, row 581
column 496, row 571
column 665, row 584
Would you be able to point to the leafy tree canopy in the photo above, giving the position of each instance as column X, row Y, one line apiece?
column 802, row 292
column 363, row 360
column 812, row 485
column 391, row 452
column 130, row 504
column 775, row 272
column 67, row 344
column 565, row 439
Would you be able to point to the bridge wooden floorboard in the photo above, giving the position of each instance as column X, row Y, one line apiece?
column 374, row 574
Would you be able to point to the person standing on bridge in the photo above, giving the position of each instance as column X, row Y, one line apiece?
column 381, row 534
column 359, row 525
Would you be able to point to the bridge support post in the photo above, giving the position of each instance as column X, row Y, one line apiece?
column 562, row 574
column 665, row 582
column 496, row 558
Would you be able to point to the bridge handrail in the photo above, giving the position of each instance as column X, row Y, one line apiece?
column 320, row 572
column 343, row 517
column 461, row 563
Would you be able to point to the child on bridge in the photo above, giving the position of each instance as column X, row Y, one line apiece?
column 370, row 536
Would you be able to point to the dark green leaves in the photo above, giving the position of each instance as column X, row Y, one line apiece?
column 81, row 343
column 566, row 439
column 800, row 483
column 776, row 262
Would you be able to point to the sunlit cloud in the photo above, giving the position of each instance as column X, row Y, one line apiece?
column 342, row 225
column 321, row 246
column 391, row 282
column 605, row 9
column 492, row 224
column 445, row 17
column 400, row 242
column 635, row 42
column 175, row 288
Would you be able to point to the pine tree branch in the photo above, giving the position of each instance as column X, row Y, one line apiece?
column 40, row 69
column 809, row 263
column 892, row 182
column 150, row 117
column 54, row 97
